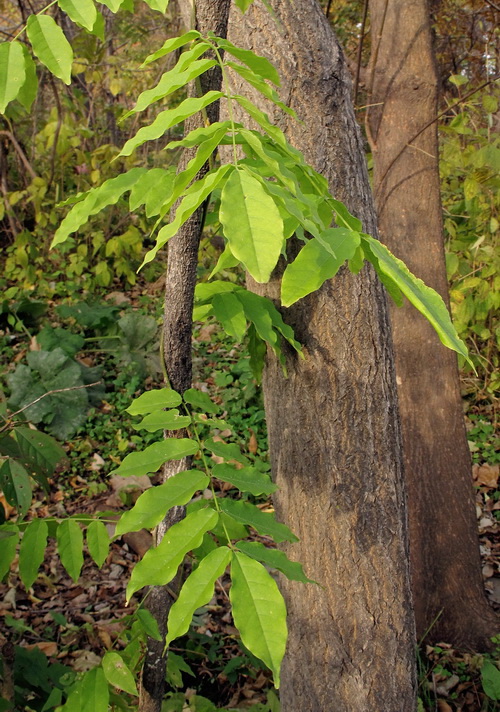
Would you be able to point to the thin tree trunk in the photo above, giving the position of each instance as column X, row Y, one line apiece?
column 211, row 15
column 445, row 563
column 333, row 426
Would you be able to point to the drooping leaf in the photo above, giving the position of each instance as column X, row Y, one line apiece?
column 262, row 119
column 200, row 135
column 263, row 522
column 98, row 541
column 274, row 558
column 148, row 623
column 94, row 691
column 205, row 291
column 159, row 565
column 117, row 673
column 490, row 678
column 32, row 551
column 171, row 45
column 230, row 313
column 229, row 451
column 252, row 224
column 259, row 612
column 113, row 5
column 152, row 190
column 70, row 547
column 82, row 12
column 50, row 45
column 200, row 401
column 16, row 486
column 163, row 420
column 153, row 504
column 258, row 83
column 151, row 459
column 226, row 261
column 28, row 91
column 260, row 65
column 248, row 479
column 8, row 547
column 12, row 72
column 154, row 400
column 197, row 590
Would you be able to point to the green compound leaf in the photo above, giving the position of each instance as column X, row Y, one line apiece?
column 154, row 503
column 263, row 522
column 163, row 420
column 248, row 479
column 197, row 591
column 152, row 190
column 274, row 558
column 229, row 312
column 8, row 546
column 95, row 200
column 260, row 65
column 12, row 72
column 82, row 12
column 159, row 565
column 200, row 401
column 426, row 300
column 168, row 118
column 153, row 457
column 315, row 263
column 252, row 224
column 50, row 45
column 259, row 612
column 16, row 485
column 171, row 45
column 98, row 541
column 70, row 546
column 118, row 674
column 32, row 551
column 154, row 400
column 94, row 691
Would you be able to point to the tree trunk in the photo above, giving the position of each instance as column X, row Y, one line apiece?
column 333, row 426
column 445, row 564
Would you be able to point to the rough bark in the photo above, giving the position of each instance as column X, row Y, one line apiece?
column 445, row 563
column 333, row 426
column 211, row 15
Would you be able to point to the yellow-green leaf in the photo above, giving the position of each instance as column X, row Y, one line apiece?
column 50, row 45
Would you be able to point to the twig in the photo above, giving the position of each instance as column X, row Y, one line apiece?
column 492, row 4
column 49, row 393
column 20, row 152
column 360, row 51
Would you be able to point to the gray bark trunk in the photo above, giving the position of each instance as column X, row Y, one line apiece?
column 445, row 564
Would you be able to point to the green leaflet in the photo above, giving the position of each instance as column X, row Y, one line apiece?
column 114, row 5
column 226, row 261
column 263, row 120
column 98, row 541
column 152, row 189
column 32, row 551
column 117, row 673
column 315, row 264
column 154, row 503
column 82, row 12
column 159, row 565
column 12, row 72
column 194, row 196
column 243, row 5
column 258, row 83
column 156, row 399
column 70, row 547
column 204, row 291
column 94, row 201
column 94, row 691
column 28, row 91
column 197, row 591
column 274, row 558
column 263, row 522
column 260, row 65
column 16, row 486
column 168, row 118
column 344, row 217
column 248, row 479
column 40, row 452
column 490, row 678
column 50, row 45
column 151, row 459
column 229, row 312
column 200, row 135
column 148, row 623
column 252, row 224
column 200, row 401
column 163, row 420
column 160, row 5
column 8, row 546
column 259, row 612
column 426, row 300
column 229, row 451
column 172, row 44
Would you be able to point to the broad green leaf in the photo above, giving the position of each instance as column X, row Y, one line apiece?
column 252, row 224
column 28, row 91
column 205, row 291
column 248, row 479
column 263, row 522
column 12, row 72
column 50, row 45
column 226, row 261
column 200, row 400
column 82, row 12
column 260, row 65
column 229, row 451
column 197, row 591
column 168, row 118
column 172, row 44
column 200, row 135
column 426, row 300
column 98, row 541
column 117, row 673
column 259, row 612
column 151, row 459
column 315, row 264
column 40, row 452
column 229, row 311
column 390, row 285
column 274, row 558
column 159, row 565
column 32, row 551
column 70, row 546
column 258, row 83
column 157, row 399
column 152, row 190
column 490, row 678
column 160, row 5
column 109, row 193
column 194, row 196
column 153, row 504
column 16, row 485
column 95, row 692
column 148, row 623
column 8, row 546
column 163, row 420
